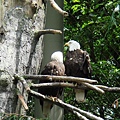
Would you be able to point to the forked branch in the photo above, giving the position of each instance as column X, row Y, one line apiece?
column 77, row 80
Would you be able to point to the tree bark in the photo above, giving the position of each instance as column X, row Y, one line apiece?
column 18, row 22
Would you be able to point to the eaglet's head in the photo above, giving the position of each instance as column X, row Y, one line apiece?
column 73, row 45
column 57, row 56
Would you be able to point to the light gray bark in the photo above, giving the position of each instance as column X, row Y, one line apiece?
column 19, row 19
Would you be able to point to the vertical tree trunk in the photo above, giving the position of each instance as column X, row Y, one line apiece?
column 19, row 19
column 52, row 43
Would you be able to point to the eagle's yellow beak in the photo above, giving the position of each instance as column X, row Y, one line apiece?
column 66, row 44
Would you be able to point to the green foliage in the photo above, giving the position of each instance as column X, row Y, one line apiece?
column 31, row 103
column 96, row 26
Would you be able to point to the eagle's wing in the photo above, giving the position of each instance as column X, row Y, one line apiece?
column 87, row 70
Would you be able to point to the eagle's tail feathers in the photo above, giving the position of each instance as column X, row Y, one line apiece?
column 80, row 95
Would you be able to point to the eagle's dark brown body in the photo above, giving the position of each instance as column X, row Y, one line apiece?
column 52, row 68
column 77, row 64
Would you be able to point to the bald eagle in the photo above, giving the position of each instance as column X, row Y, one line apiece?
column 77, row 64
column 54, row 67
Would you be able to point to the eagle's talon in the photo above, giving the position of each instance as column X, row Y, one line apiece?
column 54, row 98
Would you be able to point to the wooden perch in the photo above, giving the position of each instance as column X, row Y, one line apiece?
column 71, row 85
column 55, row 84
column 56, row 7
column 80, row 113
column 37, row 34
column 83, row 81
column 65, row 105
column 109, row 89
column 93, row 87
column 60, row 78
column 48, row 31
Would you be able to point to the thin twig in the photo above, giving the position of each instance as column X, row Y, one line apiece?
column 56, row 7
column 109, row 89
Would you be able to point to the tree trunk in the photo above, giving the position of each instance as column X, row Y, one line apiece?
column 52, row 43
column 19, row 19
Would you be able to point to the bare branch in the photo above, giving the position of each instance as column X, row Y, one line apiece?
column 93, row 87
column 65, row 105
column 71, row 85
column 23, row 102
column 56, row 84
column 40, row 95
column 49, row 31
column 109, row 89
column 60, row 78
column 37, row 34
column 59, row 102
column 35, row 40
column 81, row 117
column 102, row 87
column 56, row 7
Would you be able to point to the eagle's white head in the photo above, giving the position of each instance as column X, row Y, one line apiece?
column 73, row 45
column 57, row 56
